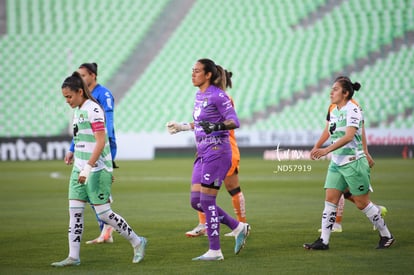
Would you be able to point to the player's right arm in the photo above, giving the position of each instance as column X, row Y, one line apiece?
column 175, row 127
column 322, row 139
column 69, row 155
column 325, row 133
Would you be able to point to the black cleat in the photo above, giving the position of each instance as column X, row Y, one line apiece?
column 316, row 245
column 385, row 242
column 114, row 165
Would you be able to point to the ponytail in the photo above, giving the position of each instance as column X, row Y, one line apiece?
column 348, row 85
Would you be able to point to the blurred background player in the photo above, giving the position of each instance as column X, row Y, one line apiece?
column 89, row 74
column 232, row 178
column 91, row 176
column 337, row 227
column 349, row 168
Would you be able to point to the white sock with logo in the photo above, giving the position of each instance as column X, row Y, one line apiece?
column 118, row 223
column 76, row 209
column 328, row 220
column 373, row 213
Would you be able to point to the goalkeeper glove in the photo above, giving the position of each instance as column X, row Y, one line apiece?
column 84, row 174
column 210, row 127
column 175, row 127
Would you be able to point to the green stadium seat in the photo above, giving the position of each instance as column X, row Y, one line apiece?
column 273, row 58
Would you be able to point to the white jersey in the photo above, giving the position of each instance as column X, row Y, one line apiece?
column 349, row 115
column 86, row 120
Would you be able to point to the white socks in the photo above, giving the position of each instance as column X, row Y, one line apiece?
column 328, row 220
column 76, row 209
column 118, row 223
column 373, row 213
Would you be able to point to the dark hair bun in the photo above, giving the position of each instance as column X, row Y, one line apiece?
column 76, row 75
column 356, row 86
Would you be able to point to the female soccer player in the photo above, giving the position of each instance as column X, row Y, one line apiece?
column 231, row 181
column 89, row 74
column 213, row 116
column 91, row 177
column 349, row 168
column 337, row 227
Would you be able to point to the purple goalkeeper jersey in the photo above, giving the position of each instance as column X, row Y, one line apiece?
column 212, row 105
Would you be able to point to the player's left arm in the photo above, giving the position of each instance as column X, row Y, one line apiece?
column 349, row 135
column 97, row 121
column 100, row 137
column 226, row 109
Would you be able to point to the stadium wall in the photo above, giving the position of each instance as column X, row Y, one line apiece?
column 142, row 146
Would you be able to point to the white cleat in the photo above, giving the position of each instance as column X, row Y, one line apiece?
column 337, row 228
column 139, row 250
column 66, row 262
column 241, row 238
column 210, row 255
column 199, row 230
column 101, row 240
column 105, row 237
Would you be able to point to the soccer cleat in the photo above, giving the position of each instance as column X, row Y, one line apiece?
column 383, row 213
column 205, row 258
column 66, row 262
column 316, row 245
column 105, row 237
column 337, row 228
column 232, row 234
column 139, row 250
column 199, row 230
column 100, row 240
column 385, row 242
column 241, row 238
column 210, row 255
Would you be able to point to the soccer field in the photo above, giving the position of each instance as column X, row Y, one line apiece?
column 283, row 208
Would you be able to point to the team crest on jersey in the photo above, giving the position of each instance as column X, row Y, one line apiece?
column 205, row 103
column 196, row 113
column 81, row 119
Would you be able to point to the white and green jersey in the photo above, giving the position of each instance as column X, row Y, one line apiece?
column 349, row 115
column 88, row 119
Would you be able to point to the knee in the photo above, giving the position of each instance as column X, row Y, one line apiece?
column 195, row 203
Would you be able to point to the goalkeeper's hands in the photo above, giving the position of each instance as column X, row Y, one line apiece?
column 84, row 174
column 210, row 127
column 175, row 127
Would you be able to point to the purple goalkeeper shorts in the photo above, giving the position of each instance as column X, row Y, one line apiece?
column 211, row 165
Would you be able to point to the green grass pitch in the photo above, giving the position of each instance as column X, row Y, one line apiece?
column 283, row 208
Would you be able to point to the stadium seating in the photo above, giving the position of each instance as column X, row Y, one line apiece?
column 46, row 40
column 275, row 55
column 272, row 63
column 386, row 93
